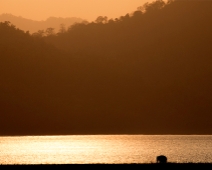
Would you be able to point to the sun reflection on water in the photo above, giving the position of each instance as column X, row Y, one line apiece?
column 103, row 149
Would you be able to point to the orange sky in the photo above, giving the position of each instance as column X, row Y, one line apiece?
column 85, row 9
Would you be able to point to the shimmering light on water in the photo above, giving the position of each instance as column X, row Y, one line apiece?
column 104, row 149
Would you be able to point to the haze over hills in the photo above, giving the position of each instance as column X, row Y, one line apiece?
column 147, row 73
column 34, row 26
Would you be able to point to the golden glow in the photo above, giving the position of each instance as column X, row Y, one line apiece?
column 89, row 10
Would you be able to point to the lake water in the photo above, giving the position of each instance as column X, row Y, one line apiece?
column 84, row 149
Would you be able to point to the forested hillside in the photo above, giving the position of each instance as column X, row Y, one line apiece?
column 149, row 72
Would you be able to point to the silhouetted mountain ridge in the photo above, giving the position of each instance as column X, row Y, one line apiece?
column 33, row 26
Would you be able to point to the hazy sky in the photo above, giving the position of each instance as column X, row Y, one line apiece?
column 85, row 9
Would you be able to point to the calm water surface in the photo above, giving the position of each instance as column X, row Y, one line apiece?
column 82, row 149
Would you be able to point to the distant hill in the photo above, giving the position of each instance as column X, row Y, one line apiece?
column 33, row 26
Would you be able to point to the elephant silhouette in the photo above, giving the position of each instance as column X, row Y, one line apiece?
column 161, row 159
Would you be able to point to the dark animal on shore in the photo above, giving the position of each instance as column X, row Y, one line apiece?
column 161, row 159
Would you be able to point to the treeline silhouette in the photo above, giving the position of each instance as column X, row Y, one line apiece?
column 37, row 26
column 148, row 72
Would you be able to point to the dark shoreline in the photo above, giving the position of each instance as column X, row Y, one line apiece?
column 148, row 164
column 143, row 166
